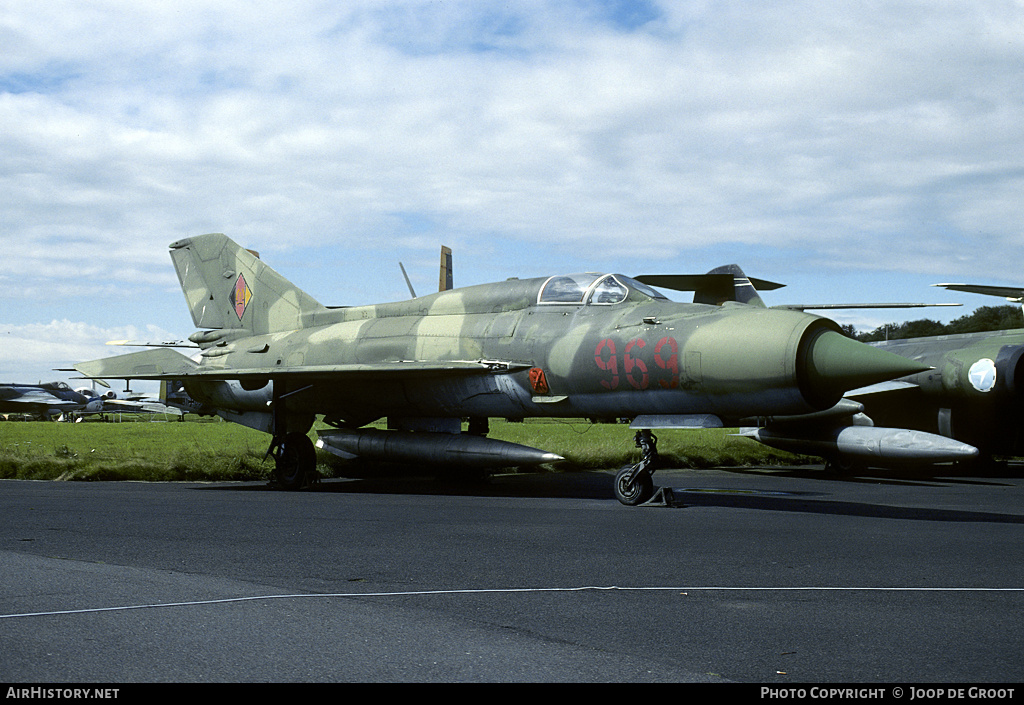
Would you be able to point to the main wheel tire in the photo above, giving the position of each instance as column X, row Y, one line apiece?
column 842, row 466
column 295, row 462
column 636, row 492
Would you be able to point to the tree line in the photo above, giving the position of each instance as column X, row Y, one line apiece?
column 986, row 318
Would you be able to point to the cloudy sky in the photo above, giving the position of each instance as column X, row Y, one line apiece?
column 858, row 152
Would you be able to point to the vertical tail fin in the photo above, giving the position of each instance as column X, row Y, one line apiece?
column 228, row 287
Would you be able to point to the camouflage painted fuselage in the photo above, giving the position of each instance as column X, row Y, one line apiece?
column 638, row 356
column 580, row 345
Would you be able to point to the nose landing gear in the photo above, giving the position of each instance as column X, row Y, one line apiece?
column 633, row 483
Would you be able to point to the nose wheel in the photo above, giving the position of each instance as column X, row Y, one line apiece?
column 633, row 483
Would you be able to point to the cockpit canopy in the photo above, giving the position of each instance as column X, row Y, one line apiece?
column 591, row 288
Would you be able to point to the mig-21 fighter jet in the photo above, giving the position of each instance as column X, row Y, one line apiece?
column 583, row 345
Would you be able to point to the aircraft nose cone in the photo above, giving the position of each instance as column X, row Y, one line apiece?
column 835, row 364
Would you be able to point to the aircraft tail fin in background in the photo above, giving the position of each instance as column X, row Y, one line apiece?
column 1013, row 294
column 227, row 287
column 729, row 283
column 445, row 283
column 722, row 284
column 741, row 288
column 1010, row 293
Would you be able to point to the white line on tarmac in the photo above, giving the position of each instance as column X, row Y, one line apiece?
column 681, row 589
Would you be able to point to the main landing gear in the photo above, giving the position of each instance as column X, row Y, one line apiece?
column 633, row 483
column 294, row 461
column 293, row 451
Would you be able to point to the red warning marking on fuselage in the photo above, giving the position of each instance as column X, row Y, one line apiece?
column 539, row 381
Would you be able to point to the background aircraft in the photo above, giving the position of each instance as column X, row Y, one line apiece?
column 45, row 401
column 973, row 395
column 588, row 345
column 127, row 402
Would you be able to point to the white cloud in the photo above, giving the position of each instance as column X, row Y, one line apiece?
column 32, row 353
column 877, row 137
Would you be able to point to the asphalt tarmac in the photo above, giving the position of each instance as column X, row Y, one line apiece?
column 774, row 576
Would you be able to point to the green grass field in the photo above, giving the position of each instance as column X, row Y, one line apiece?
column 601, row 446
column 210, row 450
column 151, row 451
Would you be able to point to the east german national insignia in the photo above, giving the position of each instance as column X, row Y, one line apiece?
column 240, row 296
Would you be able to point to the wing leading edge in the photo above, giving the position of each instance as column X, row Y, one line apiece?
column 166, row 364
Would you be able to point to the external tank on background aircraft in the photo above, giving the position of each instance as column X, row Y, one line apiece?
column 590, row 345
column 974, row 392
column 967, row 406
column 846, row 438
